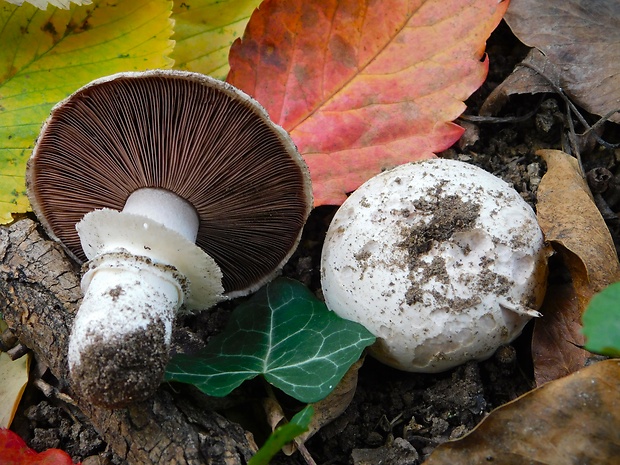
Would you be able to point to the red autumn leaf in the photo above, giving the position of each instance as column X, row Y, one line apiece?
column 14, row 451
column 363, row 85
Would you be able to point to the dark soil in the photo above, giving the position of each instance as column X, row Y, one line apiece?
column 395, row 417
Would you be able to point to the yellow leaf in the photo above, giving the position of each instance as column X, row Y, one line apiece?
column 204, row 31
column 46, row 55
column 13, row 380
column 43, row 3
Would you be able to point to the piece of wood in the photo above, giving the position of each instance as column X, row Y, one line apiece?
column 39, row 296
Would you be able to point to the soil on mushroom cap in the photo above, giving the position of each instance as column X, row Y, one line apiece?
column 447, row 215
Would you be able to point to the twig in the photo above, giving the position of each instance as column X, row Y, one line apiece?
column 18, row 351
column 501, row 119
column 571, row 108
column 7, row 340
column 304, row 453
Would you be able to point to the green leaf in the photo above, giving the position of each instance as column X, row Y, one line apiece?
column 283, row 333
column 46, row 55
column 601, row 322
column 204, row 30
column 282, row 435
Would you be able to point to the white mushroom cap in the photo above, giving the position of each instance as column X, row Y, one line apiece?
column 439, row 259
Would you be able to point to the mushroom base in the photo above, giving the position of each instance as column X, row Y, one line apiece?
column 114, row 374
column 121, row 335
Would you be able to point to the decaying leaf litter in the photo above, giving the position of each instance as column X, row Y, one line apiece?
column 424, row 410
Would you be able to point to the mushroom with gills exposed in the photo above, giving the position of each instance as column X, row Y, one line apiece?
column 180, row 192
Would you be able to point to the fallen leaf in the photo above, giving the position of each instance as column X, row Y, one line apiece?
column 13, row 380
column 282, row 435
column 580, row 38
column 557, row 341
column 573, row 225
column 284, row 333
column 42, row 4
column 330, row 408
column 523, row 80
column 325, row 410
column 274, row 413
column 46, row 55
column 573, row 420
column 204, row 30
column 14, row 451
column 363, row 86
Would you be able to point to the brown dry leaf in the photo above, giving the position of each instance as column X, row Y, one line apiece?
column 523, row 80
column 274, row 413
column 330, row 408
column 581, row 38
column 573, row 225
column 325, row 411
column 557, row 340
column 573, row 420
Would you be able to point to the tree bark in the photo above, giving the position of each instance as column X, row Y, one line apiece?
column 39, row 297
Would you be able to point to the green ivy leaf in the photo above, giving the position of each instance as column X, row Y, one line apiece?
column 601, row 322
column 283, row 333
column 282, row 435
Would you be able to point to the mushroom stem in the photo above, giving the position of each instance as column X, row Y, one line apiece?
column 165, row 207
column 143, row 262
column 121, row 335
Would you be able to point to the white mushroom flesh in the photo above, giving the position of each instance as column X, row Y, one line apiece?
column 439, row 259
column 125, row 295
column 143, row 269
column 167, row 209
column 162, row 229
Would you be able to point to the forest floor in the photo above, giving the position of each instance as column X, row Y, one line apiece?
column 396, row 418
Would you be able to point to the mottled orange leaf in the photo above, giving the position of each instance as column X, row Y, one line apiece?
column 363, row 85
